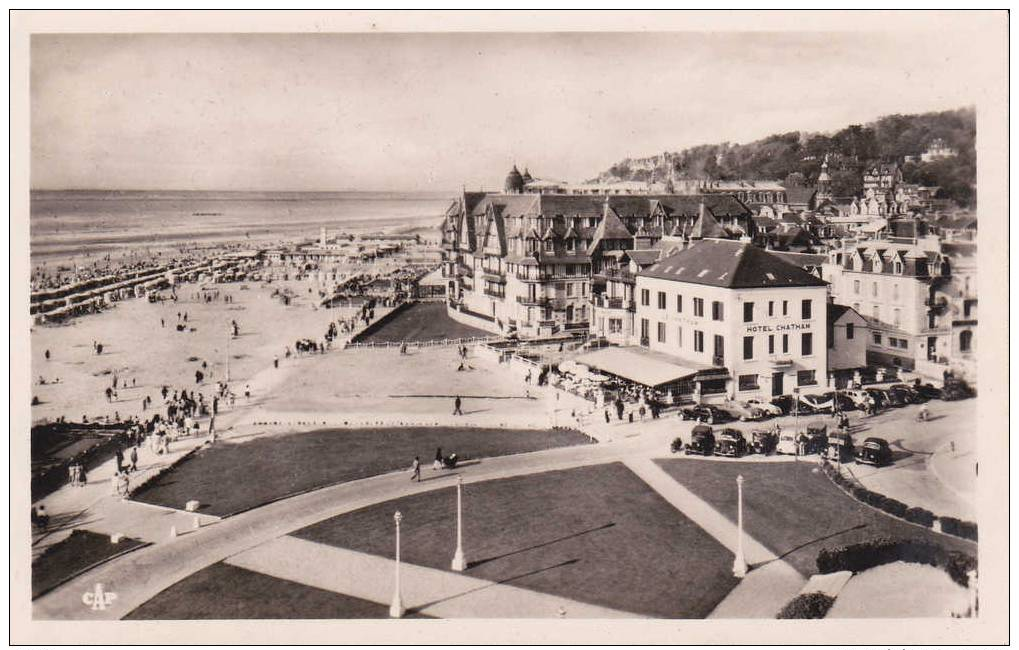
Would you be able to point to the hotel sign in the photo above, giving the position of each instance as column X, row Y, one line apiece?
column 785, row 327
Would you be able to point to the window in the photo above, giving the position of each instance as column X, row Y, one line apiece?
column 644, row 329
column 679, row 303
column 856, row 307
column 967, row 307
column 661, row 300
column 679, row 337
column 569, row 288
column 856, row 287
column 903, row 343
column 806, row 344
column 771, row 344
column 583, row 289
column 895, row 292
column 877, row 339
column 965, row 341
column 615, row 325
column 850, row 331
column 897, row 316
column 785, row 307
column 549, row 247
column 748, row 347
column 771, row 308
column 873, row 289
column 785, row 344
column 716, row 310
column 876, row 312
column 805, row 378
column 805, row 309
column 661, row 332
column 748, row 382
column 698, row 307
column 645, row 297
column 698, row 341
column 719, row 349
column 748, row 312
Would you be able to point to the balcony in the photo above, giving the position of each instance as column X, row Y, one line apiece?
column 494, row 277
column 524, row 276
column 464, row 271
column 619, row 274
column 536, row 301
column 614, row 303
column 495, row 293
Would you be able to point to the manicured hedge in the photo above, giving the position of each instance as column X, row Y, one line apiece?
column 959, row 528
column 867, row 555
column 815, row 605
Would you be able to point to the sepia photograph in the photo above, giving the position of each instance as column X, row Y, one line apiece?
column 636, row 327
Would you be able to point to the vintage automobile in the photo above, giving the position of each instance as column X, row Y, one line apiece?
column 816, row 438
column 731, row 443
column 875, row 452
column 742, row 411
column 705, row 413
column 878, row 395
column 956, row 389
column 840, row 447
column 823, row 403
column 763, row 441
column 911, row 395
column 790, row 404
column 786, row 443
column 840, row 400
column 896, row 398
column 927, row 390
column 702, row 441
column 767, row 407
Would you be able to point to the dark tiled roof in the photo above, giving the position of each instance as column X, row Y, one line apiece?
column 644, row 257
column 799, row 195
column 835, row 312
column 732, row 265
column 801, row 260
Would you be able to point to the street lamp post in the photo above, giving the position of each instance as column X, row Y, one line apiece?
column 396, row 607
column 459, row 564
column 739, row 564
column 229, row 335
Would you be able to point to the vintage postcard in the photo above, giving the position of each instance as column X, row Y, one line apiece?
column 629, row 327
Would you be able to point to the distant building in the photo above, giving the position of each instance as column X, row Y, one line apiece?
column 938, row 149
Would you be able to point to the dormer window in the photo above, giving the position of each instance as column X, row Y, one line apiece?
column 898, row 268
column 549, row 246
column 571, row 245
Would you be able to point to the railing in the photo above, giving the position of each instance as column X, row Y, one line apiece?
column 619, row 274
column 536, row 301
column 495, row 293
column 614, row 303
column 424, row 344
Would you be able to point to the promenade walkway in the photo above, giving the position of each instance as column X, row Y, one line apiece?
column 441, row 594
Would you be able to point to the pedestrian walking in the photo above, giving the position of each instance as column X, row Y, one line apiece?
column 120, row 461
column 416, row 470
column 438, row 459
column 134, row 458
column 47, row 355
column 607, row 418
column 275, row 362
column 456, row 406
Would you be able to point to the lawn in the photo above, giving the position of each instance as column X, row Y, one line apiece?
column 423, row 321
column 222, row 591
column 596, row 534
column 794, row 510
column 80, row 550
column 232, row 477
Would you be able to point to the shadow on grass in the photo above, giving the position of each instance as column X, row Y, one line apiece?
column 477, row 563
column 420, row 608
column 813, row 541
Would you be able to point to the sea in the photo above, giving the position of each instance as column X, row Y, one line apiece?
column 69, row 224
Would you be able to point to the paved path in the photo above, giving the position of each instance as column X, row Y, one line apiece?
column 440, row 594
column 770, row 583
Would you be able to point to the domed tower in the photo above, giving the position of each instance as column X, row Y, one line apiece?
column 527, row 176
column 823, row 183
column 514, row 182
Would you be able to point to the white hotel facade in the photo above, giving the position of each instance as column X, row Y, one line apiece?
column 728, row 305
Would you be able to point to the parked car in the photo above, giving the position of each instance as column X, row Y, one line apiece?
column 767, row 407
column 786, row 444
column 839, row 399
column 742, row 411
column 763, row 441
column 840, row 447
column 896, row 398
column 731, row 443
column 705, row 413
column 816, row 438
column 930, row 391
column 819, row 403
column 956, row 389
column 702, row 441
column 875, row 451
column 912, row 395
column 879, row 396
column 861, row 399
column 790, row 404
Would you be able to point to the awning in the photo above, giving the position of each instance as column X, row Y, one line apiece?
column 639, row 365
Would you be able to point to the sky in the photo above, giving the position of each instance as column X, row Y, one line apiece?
column 440, row 111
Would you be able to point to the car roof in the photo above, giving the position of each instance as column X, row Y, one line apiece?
column 878, row 441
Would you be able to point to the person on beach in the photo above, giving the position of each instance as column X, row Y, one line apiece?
column 456, row 406
column 124, row 485
column 47, row 355
column 134, row 458
column 416, row 470
column 120, row 461
column 109, row 394
column 275, row 362
column 437, row 464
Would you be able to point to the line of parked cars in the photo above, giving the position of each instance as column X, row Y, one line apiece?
column 842, row 400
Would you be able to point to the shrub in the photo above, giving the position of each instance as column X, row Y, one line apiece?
column 815, row 605
column 867, row 555
column 959, row 528
column 920, row 516
column 894, row 507
column 676, row 445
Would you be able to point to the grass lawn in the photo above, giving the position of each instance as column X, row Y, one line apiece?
column 222, row 591
column 596, row 534
column 423, row 321
column 81, row 549
column 794, row 511
column 232, row 477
